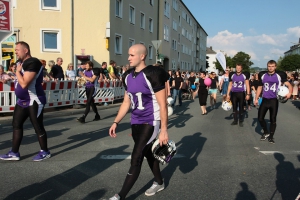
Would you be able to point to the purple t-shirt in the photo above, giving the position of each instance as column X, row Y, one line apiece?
column 270, row 83
column 238, row 81
column 141, row 88
column 90, row 74
column 34, row 92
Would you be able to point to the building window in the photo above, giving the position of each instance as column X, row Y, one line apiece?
column 174, row 44
column 150, row 25
column 151, row 2
column 118, row 44
column 50, row 4
column 150, row 52
column 50, row 40
column 131, row 15
column 167, row 9
column 131, row 42
column 142, row 20
column 141, row 42
column 166, row 32
column 175, row 5
column 119, row 7
column 174, row 25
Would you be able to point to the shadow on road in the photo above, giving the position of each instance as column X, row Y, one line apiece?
column 287, row 182
column 190, row 146
column 258, row 128
column 245, row 193
column 57, row 186
column 179, row 117
column 296, row 104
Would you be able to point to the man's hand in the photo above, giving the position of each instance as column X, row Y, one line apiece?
column 288, row 96
column 247, row 97
column 112, row 130
column 163, row 137
column 256, row 102
column 228, row 97
column 19, row 67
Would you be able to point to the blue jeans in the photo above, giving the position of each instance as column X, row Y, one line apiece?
column 175, row 93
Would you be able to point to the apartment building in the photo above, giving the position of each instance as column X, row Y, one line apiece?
column 295, row 49
column 104, row 29
column 183, row 38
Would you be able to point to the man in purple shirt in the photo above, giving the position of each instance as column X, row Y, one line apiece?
column 146, row 96
column 238, row 84
column 31, row 102
column 269, row 81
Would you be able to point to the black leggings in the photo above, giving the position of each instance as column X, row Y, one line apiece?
column 238, row 98
column 272, row 106
column 90, row 101
column 19, row 117
column 202, row 97
column 141, row 134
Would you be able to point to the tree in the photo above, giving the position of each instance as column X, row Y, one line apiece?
column 243, row 59
column 229, row 63
column 290, row 62
column 279, row 63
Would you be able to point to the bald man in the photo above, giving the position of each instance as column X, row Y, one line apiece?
column 146, row 96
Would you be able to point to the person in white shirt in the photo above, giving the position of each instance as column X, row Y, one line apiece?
column 70, row 72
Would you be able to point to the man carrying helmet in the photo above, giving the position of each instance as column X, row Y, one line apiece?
column 269, row 81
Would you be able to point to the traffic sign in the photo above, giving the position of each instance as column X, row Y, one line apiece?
column 156, row 43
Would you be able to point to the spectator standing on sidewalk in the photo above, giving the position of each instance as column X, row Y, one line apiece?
column 57, row 71
column 31, row 102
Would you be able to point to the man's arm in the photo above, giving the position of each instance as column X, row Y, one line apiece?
column 247, row 89
column 258, row 92
column 121, row 114
column 25, row 80
column 161, row 100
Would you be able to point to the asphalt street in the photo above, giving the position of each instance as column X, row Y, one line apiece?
column 215, row 160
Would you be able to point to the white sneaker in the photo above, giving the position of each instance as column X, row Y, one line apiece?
column 154, row 188
column 116, row 197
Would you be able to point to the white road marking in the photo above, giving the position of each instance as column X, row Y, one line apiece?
column 126, row 157
column 270, row 152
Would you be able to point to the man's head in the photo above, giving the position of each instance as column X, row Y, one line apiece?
column 89, row 65
column 112, row 63
column 137, row 55
column 202, row 74
column 104, row 64
column 22, row 50
column 271, row 66
column 238, row 68
column 59, row 61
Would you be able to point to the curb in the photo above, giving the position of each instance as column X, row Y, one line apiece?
column 53, row 112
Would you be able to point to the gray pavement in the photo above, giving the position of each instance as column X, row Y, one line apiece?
column 217, row 160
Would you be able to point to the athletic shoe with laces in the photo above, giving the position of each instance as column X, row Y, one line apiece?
column 271, row 140
column 10, row 156
column 264, row 136
column 234, row 123
column 42, row 155
column 116, row 197
column 154, row 189
column 81, row 119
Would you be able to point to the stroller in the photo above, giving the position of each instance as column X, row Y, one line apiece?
column 186, row 92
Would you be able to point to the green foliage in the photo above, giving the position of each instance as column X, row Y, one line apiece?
column 229, row 63
column 244, row 59
column 290, row 63
column 279, row 63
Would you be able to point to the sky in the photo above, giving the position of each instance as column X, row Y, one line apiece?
column 264, row 29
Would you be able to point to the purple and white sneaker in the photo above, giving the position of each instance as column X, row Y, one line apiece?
column 10, row 156
column 42, row 155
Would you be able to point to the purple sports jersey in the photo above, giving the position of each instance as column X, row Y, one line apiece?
column 238, row 81
column 141, row 89
column 34, row 91
column 270, row 83
column 89, row 74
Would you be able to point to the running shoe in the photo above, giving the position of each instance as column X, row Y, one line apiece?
column 81, row 119
column 10, row 156
column 116, row 197
column 42, row 155
column 264, row 136
column 154, row 189
column 97, row 118
column 271, row 140
column 234, row 123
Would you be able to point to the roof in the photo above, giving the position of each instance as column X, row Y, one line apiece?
column 210, row 51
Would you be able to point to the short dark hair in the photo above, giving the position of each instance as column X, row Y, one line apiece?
column 25, row 45
column 90, row 63
column 203, row 72
column 272, row 62
column 239, row 64
column 112, row 62
column 104, row 63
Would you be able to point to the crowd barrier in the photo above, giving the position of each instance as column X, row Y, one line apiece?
column 64, row 93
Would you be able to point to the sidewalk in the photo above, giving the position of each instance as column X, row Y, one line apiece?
column 61, row 111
